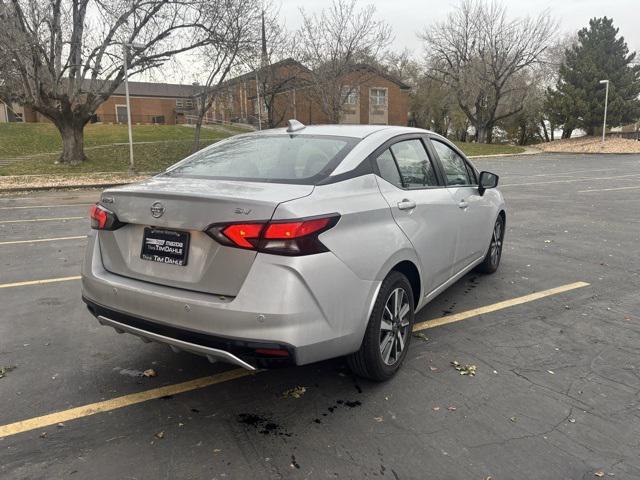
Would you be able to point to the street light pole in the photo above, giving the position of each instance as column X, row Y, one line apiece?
column 125, row 46
column 606, row 101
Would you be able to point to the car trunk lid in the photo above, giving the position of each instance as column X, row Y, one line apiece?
column 188, row 205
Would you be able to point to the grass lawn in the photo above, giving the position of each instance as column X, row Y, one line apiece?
column 41, row 142
column 473, row 149
column 107, row 149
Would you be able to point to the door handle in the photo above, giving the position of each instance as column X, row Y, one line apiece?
column 463, row 204
column 406, row 204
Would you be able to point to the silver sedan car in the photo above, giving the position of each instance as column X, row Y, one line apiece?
column 293, row 245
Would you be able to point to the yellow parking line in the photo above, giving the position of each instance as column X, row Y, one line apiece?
column 38, row 282
column 37, row 240
column 496, row 306
column 119, row 402
column 20, row 207
column 135, row 398
column 41, row 219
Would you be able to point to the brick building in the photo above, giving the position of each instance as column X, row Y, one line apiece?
column 373, row 98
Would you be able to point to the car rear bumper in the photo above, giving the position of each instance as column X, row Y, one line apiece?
column 312, row 307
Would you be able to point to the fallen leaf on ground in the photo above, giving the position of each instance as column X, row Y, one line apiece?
column 432, row 368
column 435, row 409
column 452, row 408
column 5, row 370
column 150, row 373
column 159, row 435
column 216, row 450
column 572, row 420
column 464, row 369
column 551, row 372
column 421, row 336
column 599, row 473
column 513, row 419
column 60, row 425
column 295, row 392
column 378, row 419
column 43, row 435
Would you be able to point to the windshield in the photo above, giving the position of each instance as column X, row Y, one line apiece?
column 268, row 158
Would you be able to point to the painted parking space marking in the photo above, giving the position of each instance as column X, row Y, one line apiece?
column 496, row 306
column 41, row 220
column 574, row 180
column 38, row 282
column 609, row 189
column 146, row 395
column 40, row 240
column 23, row 207
column 120, row 402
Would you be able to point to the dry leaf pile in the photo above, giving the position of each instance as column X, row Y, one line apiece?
column 469, row 370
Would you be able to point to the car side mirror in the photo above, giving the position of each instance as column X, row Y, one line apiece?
column 487, row 180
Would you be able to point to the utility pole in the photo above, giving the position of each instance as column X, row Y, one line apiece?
column 125, row 52
column 606, row 101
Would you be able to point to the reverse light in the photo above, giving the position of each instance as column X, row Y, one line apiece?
column 103, row 219
column 291, row 237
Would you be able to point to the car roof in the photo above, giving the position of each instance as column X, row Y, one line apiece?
column 355, row 131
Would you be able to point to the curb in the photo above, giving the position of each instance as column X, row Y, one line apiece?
column 61, row 187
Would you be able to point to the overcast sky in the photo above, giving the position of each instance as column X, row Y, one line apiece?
column 407, row 17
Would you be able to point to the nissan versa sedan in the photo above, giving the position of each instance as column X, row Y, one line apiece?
column 293, row 245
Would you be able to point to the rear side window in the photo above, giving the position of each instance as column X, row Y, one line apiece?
column 268, row 158
column 413, row 162
column 455, row 168
column 388, row 169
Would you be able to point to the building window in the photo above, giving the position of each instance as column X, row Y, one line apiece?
column 184, row 103
column 378, row 96
column 350, row 95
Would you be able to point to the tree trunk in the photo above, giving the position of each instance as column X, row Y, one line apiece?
column 196, row 134
column 481, row 133
column 544, row 130
column 566, row 132
column 72, row 134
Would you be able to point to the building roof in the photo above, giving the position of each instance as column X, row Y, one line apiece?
column 149, row 89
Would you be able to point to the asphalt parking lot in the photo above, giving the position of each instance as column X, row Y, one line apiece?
column 555, row 395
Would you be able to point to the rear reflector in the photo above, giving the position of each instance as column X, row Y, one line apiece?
column 272, row 352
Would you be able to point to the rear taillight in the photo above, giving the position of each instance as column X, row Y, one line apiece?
column 103, row 219
column 297, row 237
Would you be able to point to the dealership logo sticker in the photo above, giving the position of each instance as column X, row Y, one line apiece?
column 157, row 210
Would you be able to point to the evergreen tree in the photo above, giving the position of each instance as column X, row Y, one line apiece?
column 578, row 100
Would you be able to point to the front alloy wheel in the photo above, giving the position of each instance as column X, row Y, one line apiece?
column 491, row 261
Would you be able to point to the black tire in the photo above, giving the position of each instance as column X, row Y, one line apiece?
column 491, row 260
column 368, row 362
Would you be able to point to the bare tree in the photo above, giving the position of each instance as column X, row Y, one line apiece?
column 63, row 58
column 478, row 51
column 232, row 27
column 333, row 43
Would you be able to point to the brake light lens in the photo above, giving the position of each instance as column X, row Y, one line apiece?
column 243, row 235
column 298, row 237
column 103, row 219
column 295, row 229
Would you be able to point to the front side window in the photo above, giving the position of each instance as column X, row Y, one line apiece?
column 413, row 162
column 378, row 96
column 268, row 158
column 455, row 168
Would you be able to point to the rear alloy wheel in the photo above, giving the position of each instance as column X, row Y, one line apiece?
column 388, row 333
column 491, row 261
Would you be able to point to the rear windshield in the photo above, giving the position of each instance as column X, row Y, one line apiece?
column 268, row 158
